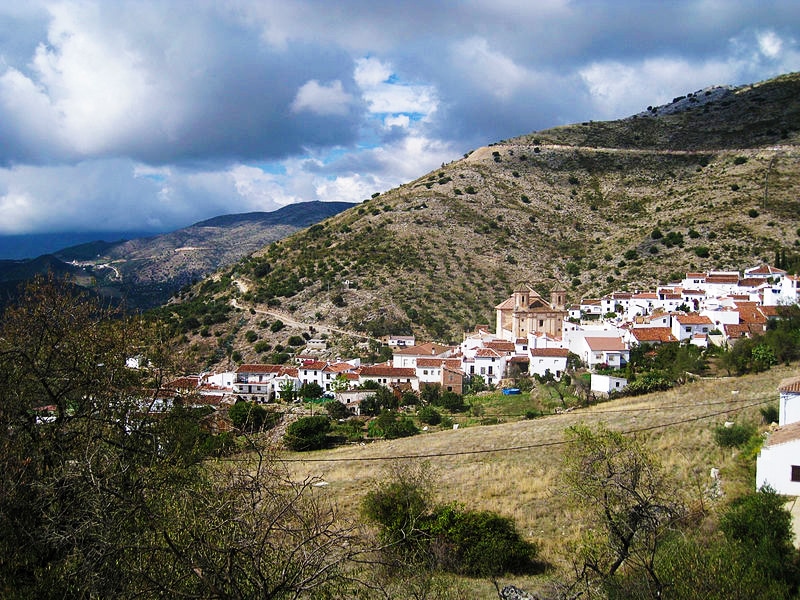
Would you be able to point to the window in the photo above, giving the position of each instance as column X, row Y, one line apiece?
column 795, row 473
column 688, row 330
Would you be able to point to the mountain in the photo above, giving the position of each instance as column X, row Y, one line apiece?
column 147, row 271
column 709, row 181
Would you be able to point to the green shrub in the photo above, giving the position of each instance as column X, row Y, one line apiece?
column 769, row 414
column 429, row 415
column 478, row 544
column 262, row 346
column 734, row 436
column 308, row 433
column 702, row 252
column 249, row 416
column 389, row 426
column 761, row 528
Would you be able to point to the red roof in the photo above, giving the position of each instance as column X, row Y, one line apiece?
column 693, row 319
column 500, row 346
column 653, row 334
column 259, row 369
column 765, row 270
column 386, row 371
column 562, row 352
column 429, row 349
column 783, row 435
column 599, row 344
column 791, row 384
column 487, row 353
column 431, row 363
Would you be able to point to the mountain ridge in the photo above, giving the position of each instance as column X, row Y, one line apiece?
column 146, row 271
column 592, row 207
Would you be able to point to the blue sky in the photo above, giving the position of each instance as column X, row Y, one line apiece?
column 139, row 115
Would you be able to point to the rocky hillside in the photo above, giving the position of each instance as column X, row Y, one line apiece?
column 147, row 271
column 710, row 181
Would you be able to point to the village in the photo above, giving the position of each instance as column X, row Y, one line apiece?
column 531, row 336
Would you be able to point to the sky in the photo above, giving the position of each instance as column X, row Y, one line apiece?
column 147, row 115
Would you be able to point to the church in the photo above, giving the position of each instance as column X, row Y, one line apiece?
column 526, row 313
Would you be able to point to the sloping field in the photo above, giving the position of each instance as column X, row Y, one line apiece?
column 514, row 468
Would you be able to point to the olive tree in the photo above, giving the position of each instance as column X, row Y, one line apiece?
column 631, row 502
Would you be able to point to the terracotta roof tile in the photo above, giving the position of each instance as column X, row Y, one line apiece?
column 253, row 368
column 386, row 371
column 597, row 344
column 693, row 319
column 785, row 434
column 555, row 352
column 653, row 334
column 790, row 384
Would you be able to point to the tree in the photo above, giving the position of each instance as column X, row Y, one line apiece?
column 249, row 416
column 761, row 529
column 633, row 504
column 476, row 384
column 337, row 410
column 287, row 391
column 429, row 415
column 105, row 499
column 311, row 390
column 416, row 534
column 308, row 433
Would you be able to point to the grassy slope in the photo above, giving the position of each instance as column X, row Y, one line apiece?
column 513, row 468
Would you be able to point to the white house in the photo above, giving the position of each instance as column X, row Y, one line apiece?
column 548, row 359
column 789, row 401
column 406, row 358
column 489, row 364
column 686, row 326
column 389, row 376
column 608, row 352
column 255, row 382
column 778, row 463
column 605, row 384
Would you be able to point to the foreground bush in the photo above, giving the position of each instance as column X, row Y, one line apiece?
column 308, row 433
column 446, row 537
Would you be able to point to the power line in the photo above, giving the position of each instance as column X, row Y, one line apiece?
column 515, row 448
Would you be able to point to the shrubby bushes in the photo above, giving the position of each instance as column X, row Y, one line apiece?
column 417, row 533
column 308, row 433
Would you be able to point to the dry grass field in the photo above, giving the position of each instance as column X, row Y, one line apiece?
column 513, row 468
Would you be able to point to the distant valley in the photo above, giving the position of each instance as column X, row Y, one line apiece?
column 146, row 272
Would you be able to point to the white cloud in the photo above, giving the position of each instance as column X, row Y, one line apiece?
column 619, row 90
column 322, row 100
column 769, row 44
column 386, row 94
column 489, row 69
column 371, row 72
column 397, row 121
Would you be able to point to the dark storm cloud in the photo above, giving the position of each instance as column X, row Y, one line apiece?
column 191, row 109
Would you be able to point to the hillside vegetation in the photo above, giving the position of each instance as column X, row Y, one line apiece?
column 710, row 181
